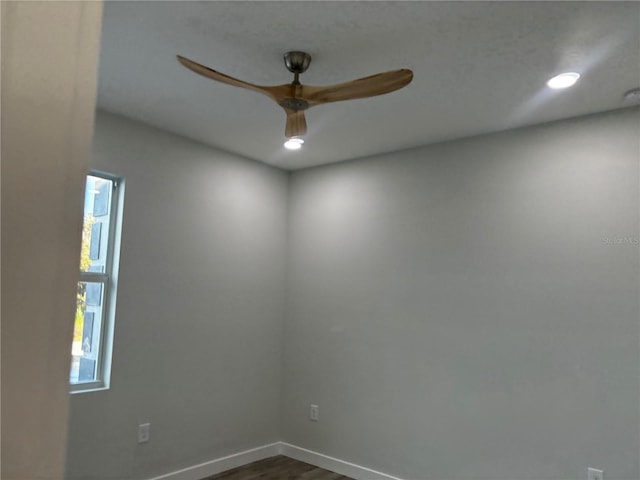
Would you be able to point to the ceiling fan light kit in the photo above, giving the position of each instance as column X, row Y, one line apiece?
column 293, row 143
column 295, row 98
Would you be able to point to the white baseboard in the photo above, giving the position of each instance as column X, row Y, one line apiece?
column 203, row 470
column 334, row 464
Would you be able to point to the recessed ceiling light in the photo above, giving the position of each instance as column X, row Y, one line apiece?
column 293, row 143
column 564, row 80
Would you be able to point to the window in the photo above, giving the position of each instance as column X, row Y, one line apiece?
column 95, row 304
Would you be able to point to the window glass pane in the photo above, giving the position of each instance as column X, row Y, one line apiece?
column 93, row 322
column 94, row 243
column 95, row 231
column 86, row 332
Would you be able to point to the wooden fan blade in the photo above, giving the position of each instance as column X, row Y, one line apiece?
column 221, row 77
column 378, row 84
column 296, row 124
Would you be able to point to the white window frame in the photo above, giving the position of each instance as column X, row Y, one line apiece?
column 108, row 279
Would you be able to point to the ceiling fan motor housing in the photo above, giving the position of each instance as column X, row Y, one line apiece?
column 295, row 104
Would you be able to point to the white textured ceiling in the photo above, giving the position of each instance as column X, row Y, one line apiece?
column 478, row 67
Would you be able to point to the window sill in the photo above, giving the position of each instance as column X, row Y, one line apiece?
column 88, row 389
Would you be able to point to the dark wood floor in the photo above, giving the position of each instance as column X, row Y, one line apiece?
column 278, row 468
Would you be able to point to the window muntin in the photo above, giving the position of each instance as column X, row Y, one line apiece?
column 95, row 300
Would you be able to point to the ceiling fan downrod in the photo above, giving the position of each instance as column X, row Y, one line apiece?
column 297, row 63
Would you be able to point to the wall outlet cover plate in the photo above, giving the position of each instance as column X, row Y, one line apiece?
column 594, row 474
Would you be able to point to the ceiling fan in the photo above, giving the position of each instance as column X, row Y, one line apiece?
column 295, row 98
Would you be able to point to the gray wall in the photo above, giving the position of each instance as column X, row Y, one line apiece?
column 464, row 310
column 49, row 77
column 470, row 309
column 198, row 336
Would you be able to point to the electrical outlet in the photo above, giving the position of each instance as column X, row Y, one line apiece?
column 314, row 413
column 144, row 432
column 594, row 474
